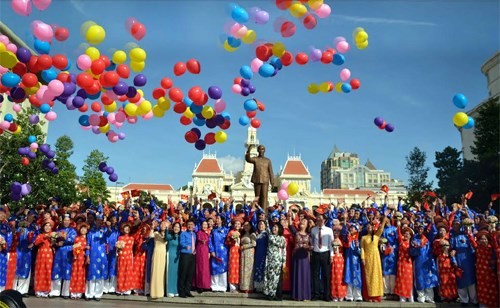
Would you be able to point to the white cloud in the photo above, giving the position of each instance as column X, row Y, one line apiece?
column 376, row 20
column 79, row 7
column 231, row 164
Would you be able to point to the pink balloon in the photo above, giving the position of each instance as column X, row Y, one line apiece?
column 282, row 195
column 4, row 39
column 111, row 118
column 42, row 4
column 345, row 74
column 256, row 64
column 148, row 116
column 83, row 62
column 11, row 47
column 120, row 117
column 323, row 11
column 16, row 108
column 284, row 185
column 112, row 137
column 5, row 125
column 56, row 87
column 21, row 7
column 42, row 31
column 238, row 31
column 132, row 120
column 118, row 124
column 236, row 89
column 342, row 46
column 338, row 39
column 41, row 92
column 86, row 127
column 94, row 120
column 34, row 146
column 129, row 23
column 51, row 116
column 3, row 70
column 219, row 106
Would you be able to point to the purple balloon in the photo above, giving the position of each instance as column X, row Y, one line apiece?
column 378, row 121
column 81, row 93
column 214, row 92
column 34, row 119
column 131, row 92
column 196, row 131
column 24, row 190
column 17, row 93
column 45, row 163
column 96, row 130
column 211, row 123
column 110, row 170
column 219, row 119
column 262, row 17
column 389, row 128
column 78, row 101
column 69, row 103
column 121, row 136
column 315, row 55
column 16, row 188
column 23, row 54
column 140, row 80
column 69, row 88
column 244, row 82
column 55, row 170
column 20, row 151
column 113, row 177
column 51, row 165
column 245, row 91
column 31, row 155
column 102, row 166
column 44, row 148
column 15, row 197
column 50, row 154
column 121, row 88
column 200, row 144
column 252, row 89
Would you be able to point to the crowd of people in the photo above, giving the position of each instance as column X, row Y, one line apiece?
column 425, row 252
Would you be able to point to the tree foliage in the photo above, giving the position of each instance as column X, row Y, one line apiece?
column 93, row 179
column 450, row 174
column 417, row 172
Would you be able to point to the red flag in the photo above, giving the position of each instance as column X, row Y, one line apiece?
column 184, row 197
column 385, row 189
column 468, row 195
column 494, row 197
column 135, row 193
column 125, row 195
column 430, row 194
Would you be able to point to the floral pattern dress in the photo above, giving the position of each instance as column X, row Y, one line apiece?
column 234, row 257
column 248, row 243
column 43, row 264
column 124, row 282
column 404, row 273
column 260, row 260
column 77, row 283
column 275, row 258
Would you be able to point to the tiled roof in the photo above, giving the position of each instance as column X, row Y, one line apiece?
column 330, row 191
column 208, row 165
column 137, row 186
column 295, row 167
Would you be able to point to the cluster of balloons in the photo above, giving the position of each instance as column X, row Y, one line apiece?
column 461, row 119
column 103, row 167
column 382, row 124
column 8, row 124
column 300, row 11
column 328, row 86
column 237, row 33
column 192, row 66
column 135, row 28
column 18, row 190
column 28, row 153
column 24, row 7
column 243, row 86
column 251, row 107
column 287, row 190
column 360, row 38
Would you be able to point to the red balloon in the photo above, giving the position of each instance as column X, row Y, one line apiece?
column 288, row 29
column 44, row 62
column 25, row 161
column 166, row 83
column 96, row 107
column 106, row 60
column 283, row 4
column 84, row 108
column 61, row 34
column 209, row 138
column 138, row 31
column 191, row 137
column 29, row 80
column 94, row 88
column 196, row 94
column 262, row 52
column 13, row 127
column 97, row 66
column 193, row 66
column 180, row 107
column 106, row 100
column 326, row 57
column 355, row 83
column 103, row 121
column 251, row 114
column 159, row 92
column 383, row 125
column 34, row 101
column 301, row 58
column 185, row 120
column 175, row 94
column 331, row 86
column 225, row 125
column 20, row 69
column 310, row 21
column 59, row 61
column 179, row 68
column 64, row 77
column 135, row 99
column 261, row 106
column 255, row 123
column 84, row 80
column 32, row 67
column 111, row 78
column 123, row 71
column 287, row 58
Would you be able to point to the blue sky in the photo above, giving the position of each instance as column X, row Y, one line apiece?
column 421, row 53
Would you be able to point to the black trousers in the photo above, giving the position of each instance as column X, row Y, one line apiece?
column 187, row 267
column 320, row 267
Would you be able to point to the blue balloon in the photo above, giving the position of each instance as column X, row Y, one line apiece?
column 10, row 79
column 233, row 42
column 187, row 101
column 198, row 122
column 246, row 72
column 49, row 75
column 44, row 108
column 94, row 96
column 195, row 108
column 250, row 105
column 266, row 70
column 226, row 115
column 338, row 59
column 470, row 124
column 346, row 88
column 244, row 120
column 8, row 117
column 84, row 120
column 460, row 101
column 239, row 14
column 31, row 139
column 41, row 46
column 276, row 63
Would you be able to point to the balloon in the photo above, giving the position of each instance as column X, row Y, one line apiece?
column 61, row 34
column 255, row 123
column 220, row 106
column 292, row 188
column 214, row 92
column 278, row 49
column 327, row 57
column 255, row 64
column 25, row 161
column 22, row 7
column 261, row 17
column 138, row 54
column 200, row 144
column 239, row 14
column 249, row 37
column 236, row 88
column 288, row 29
column 282, row 195
column 310, row 22
column 470, row 124
column 244, row 120
column 378, row 121
column 95, row 34
column 342, row 46
column 228, row 47
column 301, row 58
column 220, row 137
column 83, row 62
column 355, row 83
column 460, row 100
column 246, row 72
column 460, row 119
column 298, row 10
column 179, row 68
column 113, row 177
column 22, row 54
column 266, row 70
column 389, row 128
column 140, row 80
column 51, row 116
column 193, row 66
column 313, row 88
column 42, row 31
column 16, row 187
column 41, row 4
column 323, row 11
column 138, row 31
column 250, row 105
column 10, row 79
column 345, row 74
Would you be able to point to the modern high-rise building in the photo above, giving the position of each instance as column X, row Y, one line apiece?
column 337, row 160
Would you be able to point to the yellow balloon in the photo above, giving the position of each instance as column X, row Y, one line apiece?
column 362, row 45
column 137, row 54
column 119, row 57
column 111, row 107
column 95, row 34
column 141, row 93
column 144, row 107
column 278, row 49
column 460, row 119
column 338, row 87
column 249, row 37
column 357, row 30
column 293, row 188
column 313, row 88
column 298, row 10
column 158, row 112
column 18, row 130
column 227, row 47
column 189, row 114
column 85, row 27
column 32, row 90
column 315, row 4
column 324, row 87
column 207, row 112
column 8, row 59
column 163, row 103
column 361, row 37
column 104, row 129
column 93, row 53
column 131, row 109
column 137, row 66
column 2, row 47
column 220, row 137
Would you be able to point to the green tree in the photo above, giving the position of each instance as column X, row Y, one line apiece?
column 417, row 172
column 93, row 178
column 450, row 174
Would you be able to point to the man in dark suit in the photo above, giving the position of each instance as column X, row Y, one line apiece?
column 262, row 175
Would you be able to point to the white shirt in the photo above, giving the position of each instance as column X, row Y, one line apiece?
column 326, row 239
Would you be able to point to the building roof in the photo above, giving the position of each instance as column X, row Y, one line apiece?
column 208, row 165
column 369, row 165
column 138, row 186
column 330, row 191
column 294, row 166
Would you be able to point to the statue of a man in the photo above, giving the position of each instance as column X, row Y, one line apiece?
column 262, row 175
